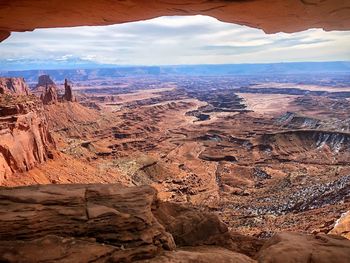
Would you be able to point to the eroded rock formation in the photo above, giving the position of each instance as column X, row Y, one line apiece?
column 68, row 93
column 112, row 223
column 49, row 89
column 269, row 15
column 13, row 86
column 24, row 137
column 44, row 81
column 50, row 95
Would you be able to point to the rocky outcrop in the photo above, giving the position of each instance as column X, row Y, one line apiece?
column 44, row 81
column 24, row 137
column 203, row 254
column 68, row 93
column 49, row 94
column 292, row 247
column 113, row 223
column 342, row 226
column 308, row 146
column 270, row 15
column 13, row 86
column 292, row 120
column 190, row 227
column 88, row 215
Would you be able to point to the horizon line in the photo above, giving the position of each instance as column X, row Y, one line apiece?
column 109, row 66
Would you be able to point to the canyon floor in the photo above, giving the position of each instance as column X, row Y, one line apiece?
column 263, row 162
column 264, row 158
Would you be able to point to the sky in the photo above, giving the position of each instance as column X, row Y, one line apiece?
column 173, row 40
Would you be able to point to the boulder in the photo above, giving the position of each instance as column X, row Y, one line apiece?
column 295, row 247
column 203, row 254
column 342, row 226
column 191, row 227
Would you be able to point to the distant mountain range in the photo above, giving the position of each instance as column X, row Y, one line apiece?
column 99, row 71
column 58, row 63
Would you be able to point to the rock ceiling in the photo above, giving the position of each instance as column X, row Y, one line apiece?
column 270, row 15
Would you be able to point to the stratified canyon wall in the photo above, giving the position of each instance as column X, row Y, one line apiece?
column 270, row 15
column 24, row 137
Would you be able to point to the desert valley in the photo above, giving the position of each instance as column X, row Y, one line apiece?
column 264, row 156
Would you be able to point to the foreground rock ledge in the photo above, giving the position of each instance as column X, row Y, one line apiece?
column 112, row 223
column 269, row 15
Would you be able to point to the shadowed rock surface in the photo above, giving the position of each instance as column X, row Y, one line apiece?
column 270, row 15
column 96, row 214
column 113, row 223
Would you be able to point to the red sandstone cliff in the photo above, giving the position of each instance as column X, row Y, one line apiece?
column 68, row 93
column 49, row 95
column 24, row 137
column 13, row 86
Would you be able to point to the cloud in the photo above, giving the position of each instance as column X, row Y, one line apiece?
column 175, row 40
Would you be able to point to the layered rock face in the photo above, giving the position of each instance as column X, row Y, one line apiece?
column 49, row 95
column 270, row 15
column 13, row 86
column 48, row 89
column 112, row 223
column 24, row 137
column 93, row 214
